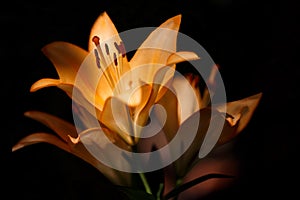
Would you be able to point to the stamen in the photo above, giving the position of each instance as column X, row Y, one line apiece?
column 122, row 49
column 98, row 52
column 117, row 47
column 115, row 59
column 107, row 49
column 96, row 40
column 97, row 58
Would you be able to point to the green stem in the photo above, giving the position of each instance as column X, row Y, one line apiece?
column 145, row 182
column 160, row 190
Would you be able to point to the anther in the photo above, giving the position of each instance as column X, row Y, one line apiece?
column 97, row 58
column 96, row 40
column 115, row 59
column 122, row 49
column 107, row 49
column 117, row 47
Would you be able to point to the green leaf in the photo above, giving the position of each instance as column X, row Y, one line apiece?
column 187, row 185
column 135, row 194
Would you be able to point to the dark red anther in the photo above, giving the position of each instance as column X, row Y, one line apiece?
column 115, row 59
column 106, row 49
column 117, row 47
column 97, row 58
column 96, row 40
column 122, row 49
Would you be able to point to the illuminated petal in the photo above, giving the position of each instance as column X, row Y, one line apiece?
column 171, row 123
column 188, row 97
column 110, row 43
column 116, row 116
column 241, row 110
column 66, row 58
column 69, row 89
column 87, row 81
column 104, row 28
column 211, row 83
column 158, row 90
column 136, row 96
column 181, row 56
column 45, row 82
column 161, row 39
column 98, row 84
column 159, row 45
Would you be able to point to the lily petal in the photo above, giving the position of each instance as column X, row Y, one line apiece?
column 159, row 45
column 116, row 116
column 41, row 137
column 241, row 109
column 45, row 82
column 104, row 28
column 157, row 91
column 60, row 126
column 66, row 58
column 171, row 123
column 188, row 97
column 186, row 160
column 181, row 56
column 91, row 143
column 216, row 164
column 78, row 150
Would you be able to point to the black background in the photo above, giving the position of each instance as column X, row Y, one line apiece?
column 254, row 42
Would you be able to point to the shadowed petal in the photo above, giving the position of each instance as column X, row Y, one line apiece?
column 60, row 126
column 217, row 123
column 78, row 150
column 41, row 137
column 210, row 165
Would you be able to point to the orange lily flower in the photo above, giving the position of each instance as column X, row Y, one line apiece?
column 102, row 87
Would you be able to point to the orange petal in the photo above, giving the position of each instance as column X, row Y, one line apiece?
column 66, row 58
column 241, row 109
column 188, row 97
column 73, row 92
column 117, row 117
column 171, row 123
column 41, row 137
column 163, row 38
column 104, row 28
column 45, row 82
column 181, row 56
column 97, row 84
column 60, row 126
column 156, row 49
